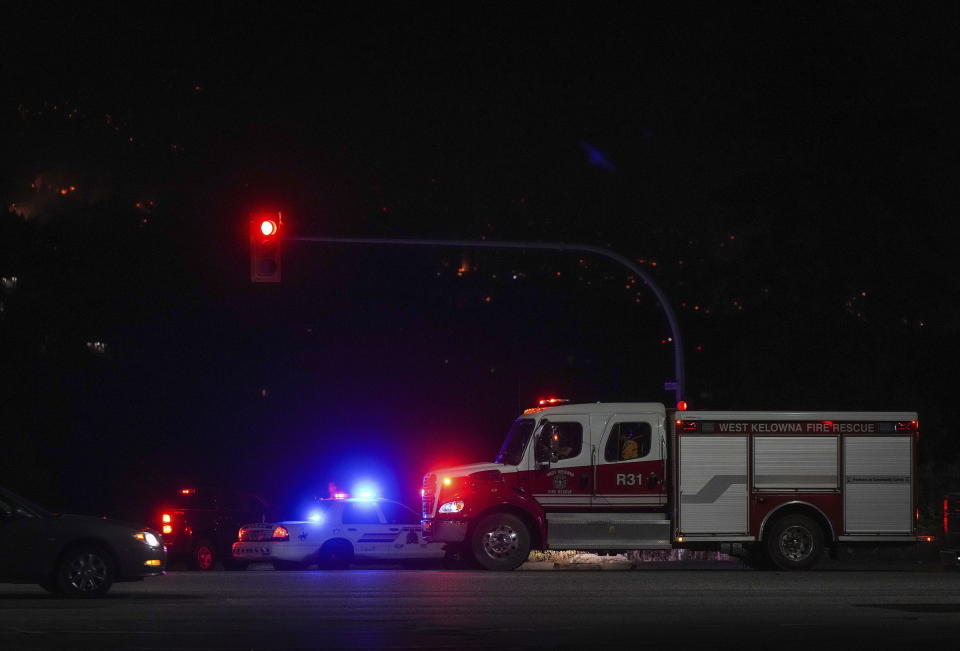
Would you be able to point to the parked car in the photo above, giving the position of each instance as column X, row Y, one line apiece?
column 72, row 555
column 199, row 523
column 338, row 532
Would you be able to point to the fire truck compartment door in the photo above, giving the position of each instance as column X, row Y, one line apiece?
column 713, row 485
column 878, row 484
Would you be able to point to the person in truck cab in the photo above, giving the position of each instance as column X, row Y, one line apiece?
column 555, row 444
column 629, row 448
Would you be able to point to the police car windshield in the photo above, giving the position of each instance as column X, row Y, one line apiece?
column 511, row 452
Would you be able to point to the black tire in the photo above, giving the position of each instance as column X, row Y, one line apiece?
column 288, row 566
column 335, row 555
column 204, row 556
column 84, row 571
column 500, row 541
column 794, row 542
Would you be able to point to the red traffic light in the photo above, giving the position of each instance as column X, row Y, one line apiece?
column 268, row 227
column 265, row 251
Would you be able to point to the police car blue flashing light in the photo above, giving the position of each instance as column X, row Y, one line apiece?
column 315, row 516
column 365, row 492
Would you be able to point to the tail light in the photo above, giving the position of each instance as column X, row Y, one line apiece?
column 166, row 523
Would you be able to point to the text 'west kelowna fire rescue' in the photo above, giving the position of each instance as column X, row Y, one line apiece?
column 792, row 428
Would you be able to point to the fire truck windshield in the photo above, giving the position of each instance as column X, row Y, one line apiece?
column 511, row 452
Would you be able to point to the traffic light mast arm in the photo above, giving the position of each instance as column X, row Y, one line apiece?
column 671, row 316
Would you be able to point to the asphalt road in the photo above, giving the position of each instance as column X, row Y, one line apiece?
column 671, row 606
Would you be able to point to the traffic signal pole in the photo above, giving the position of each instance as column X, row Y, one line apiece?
column 679, row 381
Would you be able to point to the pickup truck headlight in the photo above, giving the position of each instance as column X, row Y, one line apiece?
column 147, row 537
column 452, row 507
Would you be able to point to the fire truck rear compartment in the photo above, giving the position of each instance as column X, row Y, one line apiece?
column 727, row 482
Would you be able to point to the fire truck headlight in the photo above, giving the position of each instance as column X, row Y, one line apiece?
column 452, row 507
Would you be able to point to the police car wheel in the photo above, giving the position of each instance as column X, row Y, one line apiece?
column 335, row 555
column 794, row 542
column 500, row 541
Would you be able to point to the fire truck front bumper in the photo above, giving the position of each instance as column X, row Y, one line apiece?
column 447, row 531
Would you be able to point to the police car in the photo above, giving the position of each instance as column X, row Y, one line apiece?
column 338, row 532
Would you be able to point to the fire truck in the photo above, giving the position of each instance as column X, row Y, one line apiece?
column 779, row 487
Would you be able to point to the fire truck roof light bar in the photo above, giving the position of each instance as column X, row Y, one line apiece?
column 552, row 402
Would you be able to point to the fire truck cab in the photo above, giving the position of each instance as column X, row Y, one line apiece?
column 624, row 476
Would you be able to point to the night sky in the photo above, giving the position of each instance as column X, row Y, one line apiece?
column 788, row 172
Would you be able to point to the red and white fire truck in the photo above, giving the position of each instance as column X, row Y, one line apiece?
column 781, row 486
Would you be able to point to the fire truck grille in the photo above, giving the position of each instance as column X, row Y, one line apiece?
column 428, row 501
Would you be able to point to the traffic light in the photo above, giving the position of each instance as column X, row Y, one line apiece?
column 265, row 232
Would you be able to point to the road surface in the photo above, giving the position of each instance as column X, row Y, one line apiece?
column 668, row 607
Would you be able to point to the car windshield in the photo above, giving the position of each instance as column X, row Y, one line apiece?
column 23, row 506
column 511, row 452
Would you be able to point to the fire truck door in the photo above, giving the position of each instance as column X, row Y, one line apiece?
column 561, row 472
column 630, row 463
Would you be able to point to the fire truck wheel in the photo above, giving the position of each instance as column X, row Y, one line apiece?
column 795, row 542
column 500, row 541
column 204, row 557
